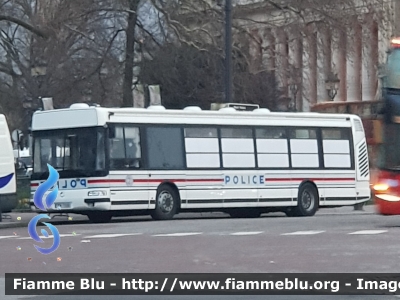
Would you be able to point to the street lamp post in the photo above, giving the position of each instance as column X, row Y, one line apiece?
column 332, row 85
column 39, row 72
column 228, row 51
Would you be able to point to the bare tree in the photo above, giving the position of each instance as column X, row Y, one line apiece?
column 91, row 49
column 79, row 50
column 188, row 76
column 288, row 22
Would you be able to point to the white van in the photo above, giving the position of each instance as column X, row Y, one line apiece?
column 8, row 183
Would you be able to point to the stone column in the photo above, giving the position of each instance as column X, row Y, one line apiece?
column 358, row 58
column 295, row 42
column 369, row 58
column 268, row 47
column 255, row 50
column 339, row 62
column 385, row 30
column 309, row 59
column 353, row 61
column 324, row 54
column 282, row 59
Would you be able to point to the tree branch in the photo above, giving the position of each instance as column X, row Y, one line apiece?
column 25, row 25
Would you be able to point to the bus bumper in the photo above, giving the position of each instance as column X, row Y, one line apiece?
column 100, row 205
column 70, row 201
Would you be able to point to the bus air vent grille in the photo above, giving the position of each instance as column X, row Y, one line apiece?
column 363, row 166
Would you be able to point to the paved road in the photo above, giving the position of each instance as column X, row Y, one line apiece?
column 335, row 240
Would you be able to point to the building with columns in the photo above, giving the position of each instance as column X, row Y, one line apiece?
column 306, row 49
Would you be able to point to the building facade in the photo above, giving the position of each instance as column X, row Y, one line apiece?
column 347, row 42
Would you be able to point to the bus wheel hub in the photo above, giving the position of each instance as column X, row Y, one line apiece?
column 165, row 202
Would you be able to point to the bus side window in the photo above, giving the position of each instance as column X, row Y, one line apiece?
column 304, row 148
column 125, row 149
column 132, row 146
column 117, row 155
column 336, row 148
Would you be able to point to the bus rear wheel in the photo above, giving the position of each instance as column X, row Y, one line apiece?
column 307, row 202
column 166, row 203
column 99, row 217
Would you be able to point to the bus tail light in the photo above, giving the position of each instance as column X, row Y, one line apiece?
column 380, row 187
column 97, row 193
column 385, row 184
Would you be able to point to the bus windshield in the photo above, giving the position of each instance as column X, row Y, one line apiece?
column 72, row 152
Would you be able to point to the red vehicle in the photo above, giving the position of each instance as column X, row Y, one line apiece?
column 386, row 188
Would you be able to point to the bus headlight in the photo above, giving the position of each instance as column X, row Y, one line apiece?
column 97, row 193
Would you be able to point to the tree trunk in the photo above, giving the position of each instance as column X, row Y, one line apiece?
column 127, row 96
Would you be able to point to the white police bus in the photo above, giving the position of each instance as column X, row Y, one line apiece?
column 125, row 161
column 8, row 184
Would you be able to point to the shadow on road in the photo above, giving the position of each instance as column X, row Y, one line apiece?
column 188, row 216
column 138, row 219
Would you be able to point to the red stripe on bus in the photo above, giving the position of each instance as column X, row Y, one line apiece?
column 177, row 180
column 153, row 180
column 95, row 181
column 311, row 179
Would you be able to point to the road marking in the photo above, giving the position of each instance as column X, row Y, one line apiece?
column 247, row 233
column 7, row 237
column 303, row 232
column 99, row 236
column 369, row 232
column 49, row 237
column 179, row 234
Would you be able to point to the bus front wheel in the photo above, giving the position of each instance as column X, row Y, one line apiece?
column 166, row 203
